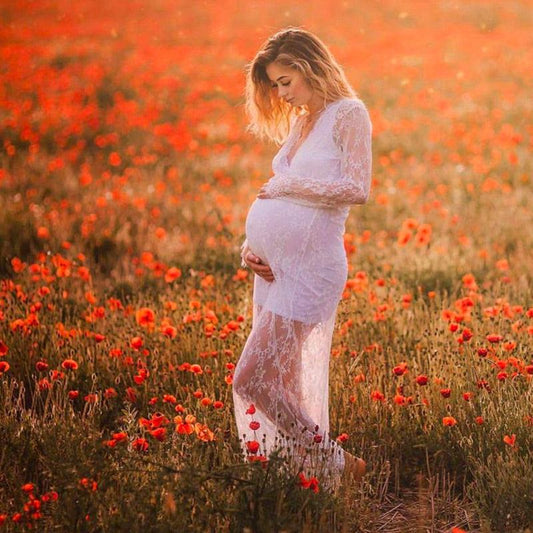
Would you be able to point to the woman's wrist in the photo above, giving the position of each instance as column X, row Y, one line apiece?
column 274, row 186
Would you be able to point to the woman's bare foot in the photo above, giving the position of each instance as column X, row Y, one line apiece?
column 354, row 469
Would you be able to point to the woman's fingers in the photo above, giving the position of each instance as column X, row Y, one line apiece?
column 261, row 269
column 252, row 259
column 262, row 193
column 267, row 277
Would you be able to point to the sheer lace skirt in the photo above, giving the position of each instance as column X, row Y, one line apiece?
column 283, row 372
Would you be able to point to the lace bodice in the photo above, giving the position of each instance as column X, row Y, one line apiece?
column 332, row 167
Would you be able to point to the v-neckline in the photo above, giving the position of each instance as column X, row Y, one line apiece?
column 291, row 144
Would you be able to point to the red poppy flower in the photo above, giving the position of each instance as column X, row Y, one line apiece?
column 172, row 274
column 131, row 396
column 377, row 396
column 253, row 446
column 28, row 488
column 343, row 437
column 89, row 484
column 145, row 316
column 203, row 432
column 69, row 364
column 400, row 369
column 120, row 436
column 136, row 343
column 466, row 334
column 114, row 159
column 197, row 369
column 422, row 380
column 311, row 483
column 159, row 434
column 169, row 331
column 52, row 496
column 140, row 444
column 510, row 440
column 184, row 428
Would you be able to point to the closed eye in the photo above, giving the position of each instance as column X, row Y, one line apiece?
column 284, row 85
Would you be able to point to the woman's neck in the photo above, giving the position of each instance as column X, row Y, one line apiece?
column 316, row 105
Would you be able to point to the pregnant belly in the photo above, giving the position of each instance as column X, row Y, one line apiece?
column 279, row 230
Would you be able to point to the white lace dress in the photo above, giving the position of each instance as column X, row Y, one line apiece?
column 284, row 367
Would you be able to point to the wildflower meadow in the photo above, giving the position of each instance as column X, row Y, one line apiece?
column 126, row 172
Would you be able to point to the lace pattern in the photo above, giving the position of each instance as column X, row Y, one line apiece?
column 352, row 136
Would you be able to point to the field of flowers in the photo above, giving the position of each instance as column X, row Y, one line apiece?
column 125, row 177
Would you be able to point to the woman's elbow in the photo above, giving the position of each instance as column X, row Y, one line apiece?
column 364, row 190
column 360, row 196
column 361, row 200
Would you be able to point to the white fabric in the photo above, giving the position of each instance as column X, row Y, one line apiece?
column 284, row 367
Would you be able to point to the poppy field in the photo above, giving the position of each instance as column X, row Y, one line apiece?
column 126, row 172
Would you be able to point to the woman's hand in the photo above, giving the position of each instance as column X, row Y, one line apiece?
column 258, row 267
column 263, row 194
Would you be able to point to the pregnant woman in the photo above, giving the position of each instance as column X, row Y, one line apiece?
column 298, row 96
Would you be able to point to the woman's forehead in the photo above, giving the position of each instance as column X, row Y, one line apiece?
column 275, row 71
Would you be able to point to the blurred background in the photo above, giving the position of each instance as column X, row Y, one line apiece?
column 126, row 174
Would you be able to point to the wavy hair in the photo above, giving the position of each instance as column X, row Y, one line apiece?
column 299, row 49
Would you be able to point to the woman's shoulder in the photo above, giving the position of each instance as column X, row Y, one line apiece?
column 350, row 118
column 350, row 110
column 350, row 103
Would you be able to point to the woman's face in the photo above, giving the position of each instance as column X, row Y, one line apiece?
column 290, row 83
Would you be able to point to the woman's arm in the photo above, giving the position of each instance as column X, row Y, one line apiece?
column 352, row 134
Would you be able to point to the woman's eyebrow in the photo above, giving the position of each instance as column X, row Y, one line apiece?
column 281, row 77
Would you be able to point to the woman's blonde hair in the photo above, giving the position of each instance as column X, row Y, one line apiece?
column 299, row 49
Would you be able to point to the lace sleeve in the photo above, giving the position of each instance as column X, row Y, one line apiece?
column 352, row 134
